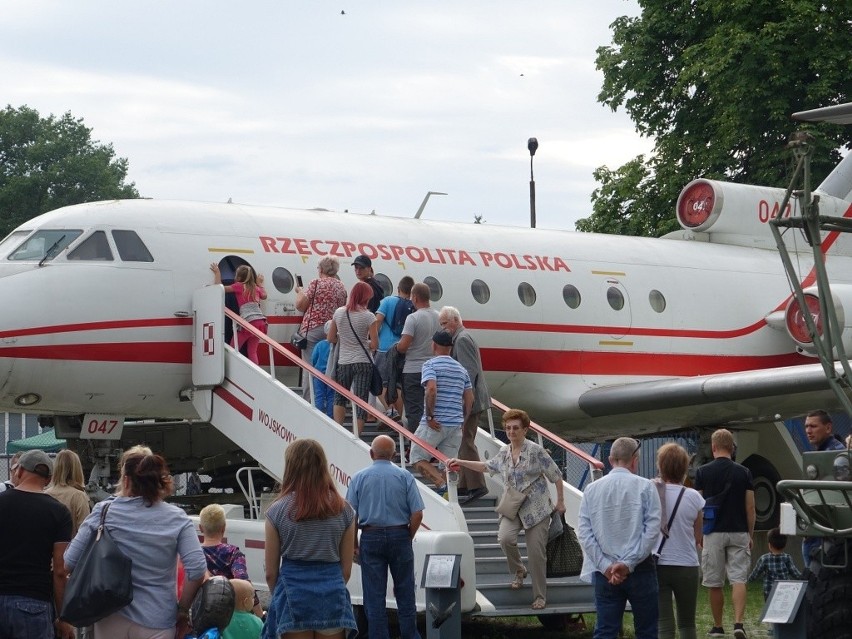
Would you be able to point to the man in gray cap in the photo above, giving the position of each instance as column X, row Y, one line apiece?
column 364, row 272
column 448, row 398
column 35, row 532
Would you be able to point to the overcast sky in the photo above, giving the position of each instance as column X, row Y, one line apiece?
column 293, row 103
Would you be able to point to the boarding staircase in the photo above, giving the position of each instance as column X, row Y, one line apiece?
column 260, row 413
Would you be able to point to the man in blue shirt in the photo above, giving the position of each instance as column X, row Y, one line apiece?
column 389, row 510
column 619, row 523
column 818, row 429
column 387, row 338
column 448, row 397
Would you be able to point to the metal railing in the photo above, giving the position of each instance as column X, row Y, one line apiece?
column 403, row 434
column 595, row 465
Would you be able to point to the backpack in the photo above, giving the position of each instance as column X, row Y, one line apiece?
column 403, row 309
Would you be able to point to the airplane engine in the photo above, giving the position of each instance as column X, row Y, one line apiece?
column 712, row 206
column 841, row 295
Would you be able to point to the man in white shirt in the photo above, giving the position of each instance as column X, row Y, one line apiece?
column 619, row 523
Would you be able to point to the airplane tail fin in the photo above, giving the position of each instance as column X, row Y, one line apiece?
column 839, row 182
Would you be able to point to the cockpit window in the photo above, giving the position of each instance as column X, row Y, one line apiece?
column 93, row 248
column 11, row 240
column 130, row 247
column 43, row 246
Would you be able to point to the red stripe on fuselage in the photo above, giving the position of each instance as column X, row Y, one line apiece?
column 98, row 326
column 142, row 352
column 627, row 364
column 493, row 359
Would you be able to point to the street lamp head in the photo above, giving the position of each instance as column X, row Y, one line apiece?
column 532, row 145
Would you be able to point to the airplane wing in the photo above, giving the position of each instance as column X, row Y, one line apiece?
column 837, row 114
column 727, row 399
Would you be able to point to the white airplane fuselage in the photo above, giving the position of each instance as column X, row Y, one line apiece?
column 565, row 312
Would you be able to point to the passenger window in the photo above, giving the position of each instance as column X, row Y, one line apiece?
column 45, row 245
column 615, row 298
column 436, row 291
column 130, row 247
column 282, row 280
column 571, row 295
column 526, row 293
column 93, row 248
column 480, row 291
column 385, row 283
column 657, row 301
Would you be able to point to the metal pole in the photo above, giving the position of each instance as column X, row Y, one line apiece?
column 532, row 145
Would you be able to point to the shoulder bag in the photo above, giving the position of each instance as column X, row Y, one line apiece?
column 665, row 531
column 299, row 339
column 376, row 384
column 711, row 510
column 100, row 583
column 510, row 502
column 564, row 553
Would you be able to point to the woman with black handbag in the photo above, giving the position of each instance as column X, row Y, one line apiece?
column 152, row 533
column 318, row 300
column 353, row 327
column 526, row 468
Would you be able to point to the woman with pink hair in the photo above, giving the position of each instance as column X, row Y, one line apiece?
column 353, row 326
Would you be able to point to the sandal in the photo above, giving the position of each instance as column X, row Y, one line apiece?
column 539, row 604
column 518, row 581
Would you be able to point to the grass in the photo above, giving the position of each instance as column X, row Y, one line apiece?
column 530, row 628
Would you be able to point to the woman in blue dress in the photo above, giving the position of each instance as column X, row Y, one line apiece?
column 310, row 541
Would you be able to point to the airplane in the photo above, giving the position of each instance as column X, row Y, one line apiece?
column 595, row 335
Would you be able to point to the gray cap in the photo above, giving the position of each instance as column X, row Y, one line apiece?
column 38, row 462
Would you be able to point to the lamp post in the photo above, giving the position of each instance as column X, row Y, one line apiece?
column 532, row 145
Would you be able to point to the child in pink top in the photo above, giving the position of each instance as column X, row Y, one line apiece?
column 248, row 287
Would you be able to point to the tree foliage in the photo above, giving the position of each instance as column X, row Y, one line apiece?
column 714, row 82
column 46, row 163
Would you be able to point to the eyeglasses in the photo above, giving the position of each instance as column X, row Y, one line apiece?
column 636, row 450
column 510, row 428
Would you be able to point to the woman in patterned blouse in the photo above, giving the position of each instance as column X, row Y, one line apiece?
column 527, row 467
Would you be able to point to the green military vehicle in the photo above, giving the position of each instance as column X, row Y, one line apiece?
column 822, row 507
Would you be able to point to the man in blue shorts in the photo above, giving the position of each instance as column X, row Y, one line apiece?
column 448, row 397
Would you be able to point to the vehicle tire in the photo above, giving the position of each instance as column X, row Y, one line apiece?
column 828, row 595
column 767, row 503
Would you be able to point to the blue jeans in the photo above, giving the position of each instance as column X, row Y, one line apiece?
column 640, row 589
column 381, row 549
column 25, row 618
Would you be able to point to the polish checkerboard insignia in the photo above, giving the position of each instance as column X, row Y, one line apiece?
column 207, row 341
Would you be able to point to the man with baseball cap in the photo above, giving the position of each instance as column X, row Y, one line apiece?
column 35, row 532
column 364, row 272
column 448, row 398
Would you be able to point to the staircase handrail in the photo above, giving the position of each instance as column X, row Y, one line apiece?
column 275, row 347
column 595, row 464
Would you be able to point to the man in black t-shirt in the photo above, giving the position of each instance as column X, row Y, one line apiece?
column 364, row 272
column 34, row 531
column 727, row 550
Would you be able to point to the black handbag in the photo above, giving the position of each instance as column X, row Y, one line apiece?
column 299, row 339
column 100, row 583
column 564, row 554
column 376, row 384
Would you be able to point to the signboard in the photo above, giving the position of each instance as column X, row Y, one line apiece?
column 441, row 571
column 784, row 602
column 101, row 426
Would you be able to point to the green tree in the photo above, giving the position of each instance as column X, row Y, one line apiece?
column 46, row 163
column 714, row 82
